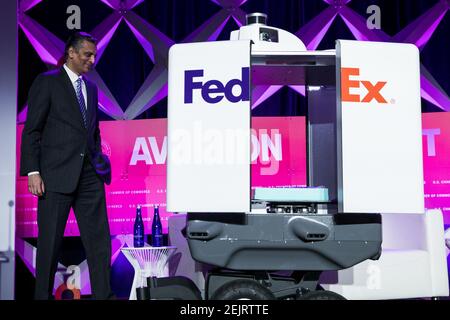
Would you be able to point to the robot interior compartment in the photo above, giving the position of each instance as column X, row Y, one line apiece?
column 315, row 73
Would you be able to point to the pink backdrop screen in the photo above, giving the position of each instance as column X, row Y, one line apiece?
column 138, row 153
column 436, row 160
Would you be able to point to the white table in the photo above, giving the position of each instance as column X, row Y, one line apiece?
column 147, row 262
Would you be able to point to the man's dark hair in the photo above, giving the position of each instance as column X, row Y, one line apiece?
column 75, row 41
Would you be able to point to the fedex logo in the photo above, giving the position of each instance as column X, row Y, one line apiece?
column 373, row 89
column 213, row 91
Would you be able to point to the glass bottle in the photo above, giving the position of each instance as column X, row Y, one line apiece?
column 157, row 235
column 138, row 229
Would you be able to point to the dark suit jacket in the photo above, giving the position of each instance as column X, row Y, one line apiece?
column 54, row 140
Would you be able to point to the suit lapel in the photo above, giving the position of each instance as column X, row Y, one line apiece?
column 72, row 97
column 90, row 101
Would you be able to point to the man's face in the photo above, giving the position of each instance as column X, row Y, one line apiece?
column 83, row 60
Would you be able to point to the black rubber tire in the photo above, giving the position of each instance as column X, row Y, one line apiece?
column 321, row 295
column 243, row 289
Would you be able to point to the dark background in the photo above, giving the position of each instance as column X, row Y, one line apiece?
column 124, row 65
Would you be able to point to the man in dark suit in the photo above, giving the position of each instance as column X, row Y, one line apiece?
column 61, row 155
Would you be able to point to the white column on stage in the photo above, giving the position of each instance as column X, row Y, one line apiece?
column 8, row 116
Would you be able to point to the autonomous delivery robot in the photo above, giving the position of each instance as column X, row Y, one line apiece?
column 274, row 243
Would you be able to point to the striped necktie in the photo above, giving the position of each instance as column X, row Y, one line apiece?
column 81, row 102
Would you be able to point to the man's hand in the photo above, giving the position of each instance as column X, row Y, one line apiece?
column 36, row 185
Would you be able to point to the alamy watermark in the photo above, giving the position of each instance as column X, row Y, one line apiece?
column 74, row 20
column 374, row 20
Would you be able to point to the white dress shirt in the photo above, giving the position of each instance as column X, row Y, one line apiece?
column 73, row 78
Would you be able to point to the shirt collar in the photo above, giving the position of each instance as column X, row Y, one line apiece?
column 72, row 75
